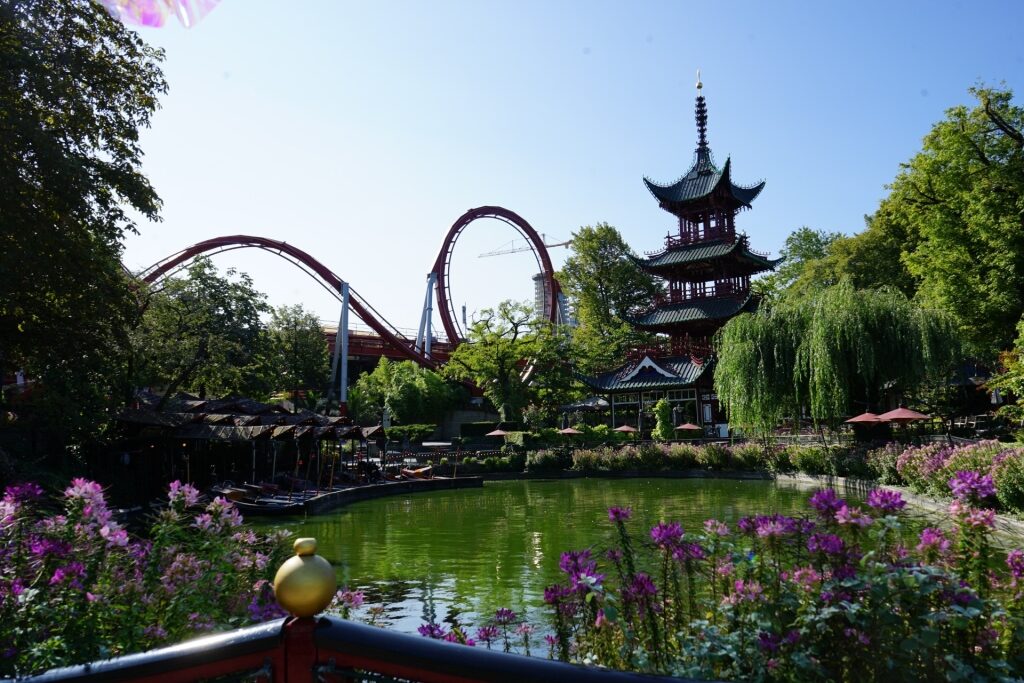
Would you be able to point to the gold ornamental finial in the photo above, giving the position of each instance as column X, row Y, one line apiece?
column 699, row 84
column 305, row 584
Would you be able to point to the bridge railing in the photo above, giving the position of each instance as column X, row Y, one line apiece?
column 305, row 648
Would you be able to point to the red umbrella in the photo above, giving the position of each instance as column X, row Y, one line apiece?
column 690, row 427
column 569, row 430
column 863, row 418
column 626, row 429
column 497, row 432
column 902, row 415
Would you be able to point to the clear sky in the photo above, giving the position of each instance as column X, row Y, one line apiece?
column 360, row 131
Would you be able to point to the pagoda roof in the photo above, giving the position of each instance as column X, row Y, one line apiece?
column 693, row 310
column 705, row 251
column 648, row 373
column 703, row 179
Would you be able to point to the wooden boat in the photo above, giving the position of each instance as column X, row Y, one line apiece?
column 419, row 473
column 269, row 507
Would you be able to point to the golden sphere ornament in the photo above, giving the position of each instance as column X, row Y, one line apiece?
column 305, row 584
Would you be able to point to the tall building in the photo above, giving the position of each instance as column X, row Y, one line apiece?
column 706, row 266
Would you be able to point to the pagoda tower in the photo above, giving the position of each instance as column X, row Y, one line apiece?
column 706, row 266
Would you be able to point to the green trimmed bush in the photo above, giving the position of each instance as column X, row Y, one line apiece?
column 1009, row 480
column 810, row 459
column 682, row 456
column 546, row 460
column 882, row 463
column 651, row 457
column 749, row 456
column 714, row 456
column 777, row 460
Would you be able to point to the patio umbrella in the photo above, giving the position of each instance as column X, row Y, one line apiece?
column 689, row 427
column 626, row 429
column 903, row 415
column 497, row 432
column 570, row 431
column 863, row 418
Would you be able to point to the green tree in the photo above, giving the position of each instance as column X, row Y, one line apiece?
column 75, row 89
column 410, row 393
column 951, row 230
column 202, row 333
column 514, row 357
column 604, row 285
column 298, row 350
column 826, row 352
column 664, row 430
column 1010, row 381
column 803, row 246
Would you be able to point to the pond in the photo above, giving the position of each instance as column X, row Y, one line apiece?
column 463, row 553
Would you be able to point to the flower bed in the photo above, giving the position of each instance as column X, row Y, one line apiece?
column 833, row 595
column 75, row 586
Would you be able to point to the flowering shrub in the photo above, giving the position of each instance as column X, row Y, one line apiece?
column 75, row 586
column 929, row 468
column 833, row 595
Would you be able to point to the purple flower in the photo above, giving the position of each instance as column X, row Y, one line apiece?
column 73, row 571
column 774, row 526
column 22, row 493
column 551, row 640
column 666, row 534
column 886, row 501
column 980, row 517
column 828, row 544
column 1015, row 561
column 768, row 642
column 641, row 586
column 432, row 630
column 184, row 495
column 746, row 591
column 716, row 528
column 617, row 514
column 41, row 547
column 556, row 594
column 350, row 599
column 505, row 616
column 581, row 568
column 827, row 502
column 488, row 634
column 852, row 516
column 967, row 486
column 688, row 551
column 933, row 543
column 746, row 525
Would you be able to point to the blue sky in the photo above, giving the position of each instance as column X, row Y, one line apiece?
column 360, row 132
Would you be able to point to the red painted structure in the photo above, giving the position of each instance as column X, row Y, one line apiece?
column 389, row 341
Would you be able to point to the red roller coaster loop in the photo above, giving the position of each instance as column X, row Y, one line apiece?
column 333, row 283
column 442, row 266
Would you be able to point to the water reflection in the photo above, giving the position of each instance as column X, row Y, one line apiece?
column 452, row 556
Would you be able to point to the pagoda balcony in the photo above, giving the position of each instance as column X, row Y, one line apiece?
column 719, row 290
column 697, row 236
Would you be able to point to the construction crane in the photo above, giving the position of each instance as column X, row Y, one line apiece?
column 511, row 248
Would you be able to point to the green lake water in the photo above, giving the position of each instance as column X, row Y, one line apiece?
column 455, row 555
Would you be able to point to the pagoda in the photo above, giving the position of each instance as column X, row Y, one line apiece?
column 706, row 266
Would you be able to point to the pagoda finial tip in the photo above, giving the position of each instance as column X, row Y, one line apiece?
column 700, row 85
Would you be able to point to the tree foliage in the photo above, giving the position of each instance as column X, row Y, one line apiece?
column 202, row 333
column 663, row 430
column 75, row 89
column 829, row 353
column 298, row 350
column 604, row 285
column 514, row 357
column 951, row 230
column 410, row 393
column 803, row 246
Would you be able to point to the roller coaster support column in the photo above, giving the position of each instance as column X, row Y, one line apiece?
column 423, row 336
column 341, row 355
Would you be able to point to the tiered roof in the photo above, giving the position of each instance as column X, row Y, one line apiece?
column 702, row 180
column 705, row 260
column 692, row 311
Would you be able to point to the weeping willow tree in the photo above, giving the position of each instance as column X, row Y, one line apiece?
column 822, row 354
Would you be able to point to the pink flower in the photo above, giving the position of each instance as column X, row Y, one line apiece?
column 617, row 514
column 716, row 528
column 184, row 495
column 852, row 516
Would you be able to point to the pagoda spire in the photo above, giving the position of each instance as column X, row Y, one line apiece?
column 702, row 116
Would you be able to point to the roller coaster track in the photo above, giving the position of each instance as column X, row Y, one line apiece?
column 330, row 281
